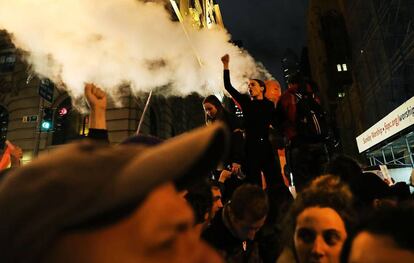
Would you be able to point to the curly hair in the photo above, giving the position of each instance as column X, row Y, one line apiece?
column 326, row 191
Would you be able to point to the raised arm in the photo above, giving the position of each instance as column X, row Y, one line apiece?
column 97, row 102
column 96, row 99
column 227, row 83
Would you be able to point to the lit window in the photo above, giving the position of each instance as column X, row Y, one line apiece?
column 344, row 67
column 339, row 67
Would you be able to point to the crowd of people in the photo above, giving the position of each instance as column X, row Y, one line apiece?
column 215, row 194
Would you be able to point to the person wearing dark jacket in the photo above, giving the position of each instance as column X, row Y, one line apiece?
column 233, row 230
column 306, row 152
column 259, row 114
column 230, row 176
column 214, row 111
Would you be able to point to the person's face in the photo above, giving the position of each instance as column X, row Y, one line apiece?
column 273, row 90
column 210, row 109
column 163, row 230
column 217, row 204
column 254, row 89
column 159, row 230
column 246, row 229
column 372, row 248
column 319, row 235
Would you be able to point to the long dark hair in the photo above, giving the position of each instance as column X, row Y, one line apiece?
column 261, row 84
column 222, row 114
column 212, row 99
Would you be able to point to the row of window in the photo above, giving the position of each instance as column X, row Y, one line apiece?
column 7, row 62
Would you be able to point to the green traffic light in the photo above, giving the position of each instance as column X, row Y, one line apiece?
column 46, row 125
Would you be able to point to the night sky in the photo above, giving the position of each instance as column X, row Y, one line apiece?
column 267, row 28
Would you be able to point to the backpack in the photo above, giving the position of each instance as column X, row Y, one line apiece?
column 311, row 119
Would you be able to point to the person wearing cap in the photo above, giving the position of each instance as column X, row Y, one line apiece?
column 259, row 114
column 92, row 202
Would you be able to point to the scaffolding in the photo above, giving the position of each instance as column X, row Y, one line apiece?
column 398, row 152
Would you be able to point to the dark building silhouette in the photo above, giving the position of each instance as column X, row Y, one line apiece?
column 305, row 67
column 362, row 56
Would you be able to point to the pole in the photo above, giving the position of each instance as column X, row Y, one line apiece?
column 409, row 152
column 371, row 160
column 38, row 131
column 143, row 112
column 393, row 155
column 383, row 156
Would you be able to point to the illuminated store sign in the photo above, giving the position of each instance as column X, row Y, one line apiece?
column 399, row 119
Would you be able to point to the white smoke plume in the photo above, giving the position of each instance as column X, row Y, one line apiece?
column 113, row 42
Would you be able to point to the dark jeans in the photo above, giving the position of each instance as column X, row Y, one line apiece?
column 306, row 161
column 260, row 157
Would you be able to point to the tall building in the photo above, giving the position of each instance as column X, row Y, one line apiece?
column 37, row 125
column 362, row 56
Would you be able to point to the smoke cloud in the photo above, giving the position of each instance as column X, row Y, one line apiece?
column 114, row 42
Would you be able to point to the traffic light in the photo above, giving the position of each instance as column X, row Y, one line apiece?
column 63, row 111
column 47, row 120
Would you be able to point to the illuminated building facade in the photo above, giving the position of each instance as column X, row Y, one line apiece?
column 199, row 13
